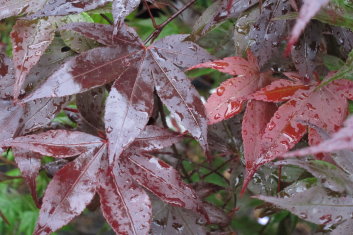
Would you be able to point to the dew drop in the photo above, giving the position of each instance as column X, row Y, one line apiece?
column 178, row 227
column 271, row 125
column 220, row 91
column 109, row 129
column 217, row 116
column 232, row 108
column 303, row 215
column 338, row 219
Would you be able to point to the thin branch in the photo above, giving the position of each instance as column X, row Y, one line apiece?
column 7, row 161
column 216, row 169
column 150, row 14
column 160, row 27
column 106, row 18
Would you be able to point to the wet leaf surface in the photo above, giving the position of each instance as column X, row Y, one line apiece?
column 125, row 205
column 30, row 39
column 266, row 35
column 324, row 108
column 126, row 57
column 56, row 143
column 29, row 164
column 71, row 189
column 230, row 96
column 307, row 11
column 218, row 12
column 317, row 206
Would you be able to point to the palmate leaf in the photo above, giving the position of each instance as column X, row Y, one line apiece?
column 230, row 96
column 31, row 39
column 135, row 69
column 124, row 203
column 325, row 108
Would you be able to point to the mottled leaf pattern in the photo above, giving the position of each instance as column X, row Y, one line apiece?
column 29, row 165
column 151, row 173
column 30, row 40
column 125, row 205
column 230, row 96
column 71, row 189
column 316, row 205
column 58, row 143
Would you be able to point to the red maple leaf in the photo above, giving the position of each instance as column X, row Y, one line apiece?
column 231, row 95
column 307, row 105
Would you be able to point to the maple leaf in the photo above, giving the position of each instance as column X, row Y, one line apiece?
column 230, row 96
column 31, row 38
column 317, row 206
column 120, row 8
column 218, row 12
column 341, row 140
column 324, row 107
column 75, row 184
column 135, row 70
column 307, row 11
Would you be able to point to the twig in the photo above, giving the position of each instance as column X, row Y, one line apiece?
column 210, row 169
column 160, row 27
column 4, row 218
column 7, row 161
column 150, row 13
column 216, row 169
column 106, row 18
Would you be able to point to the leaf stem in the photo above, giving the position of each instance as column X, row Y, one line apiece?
column 160, row 27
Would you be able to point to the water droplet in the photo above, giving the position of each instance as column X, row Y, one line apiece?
column 109, row 129
column 338, row 219
column 178, row 227
column 217, row 116
column 220, row 91
column 325, row 219
column 303, row 215
column 310, row 107
column 271, row 125
column 232, row 108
